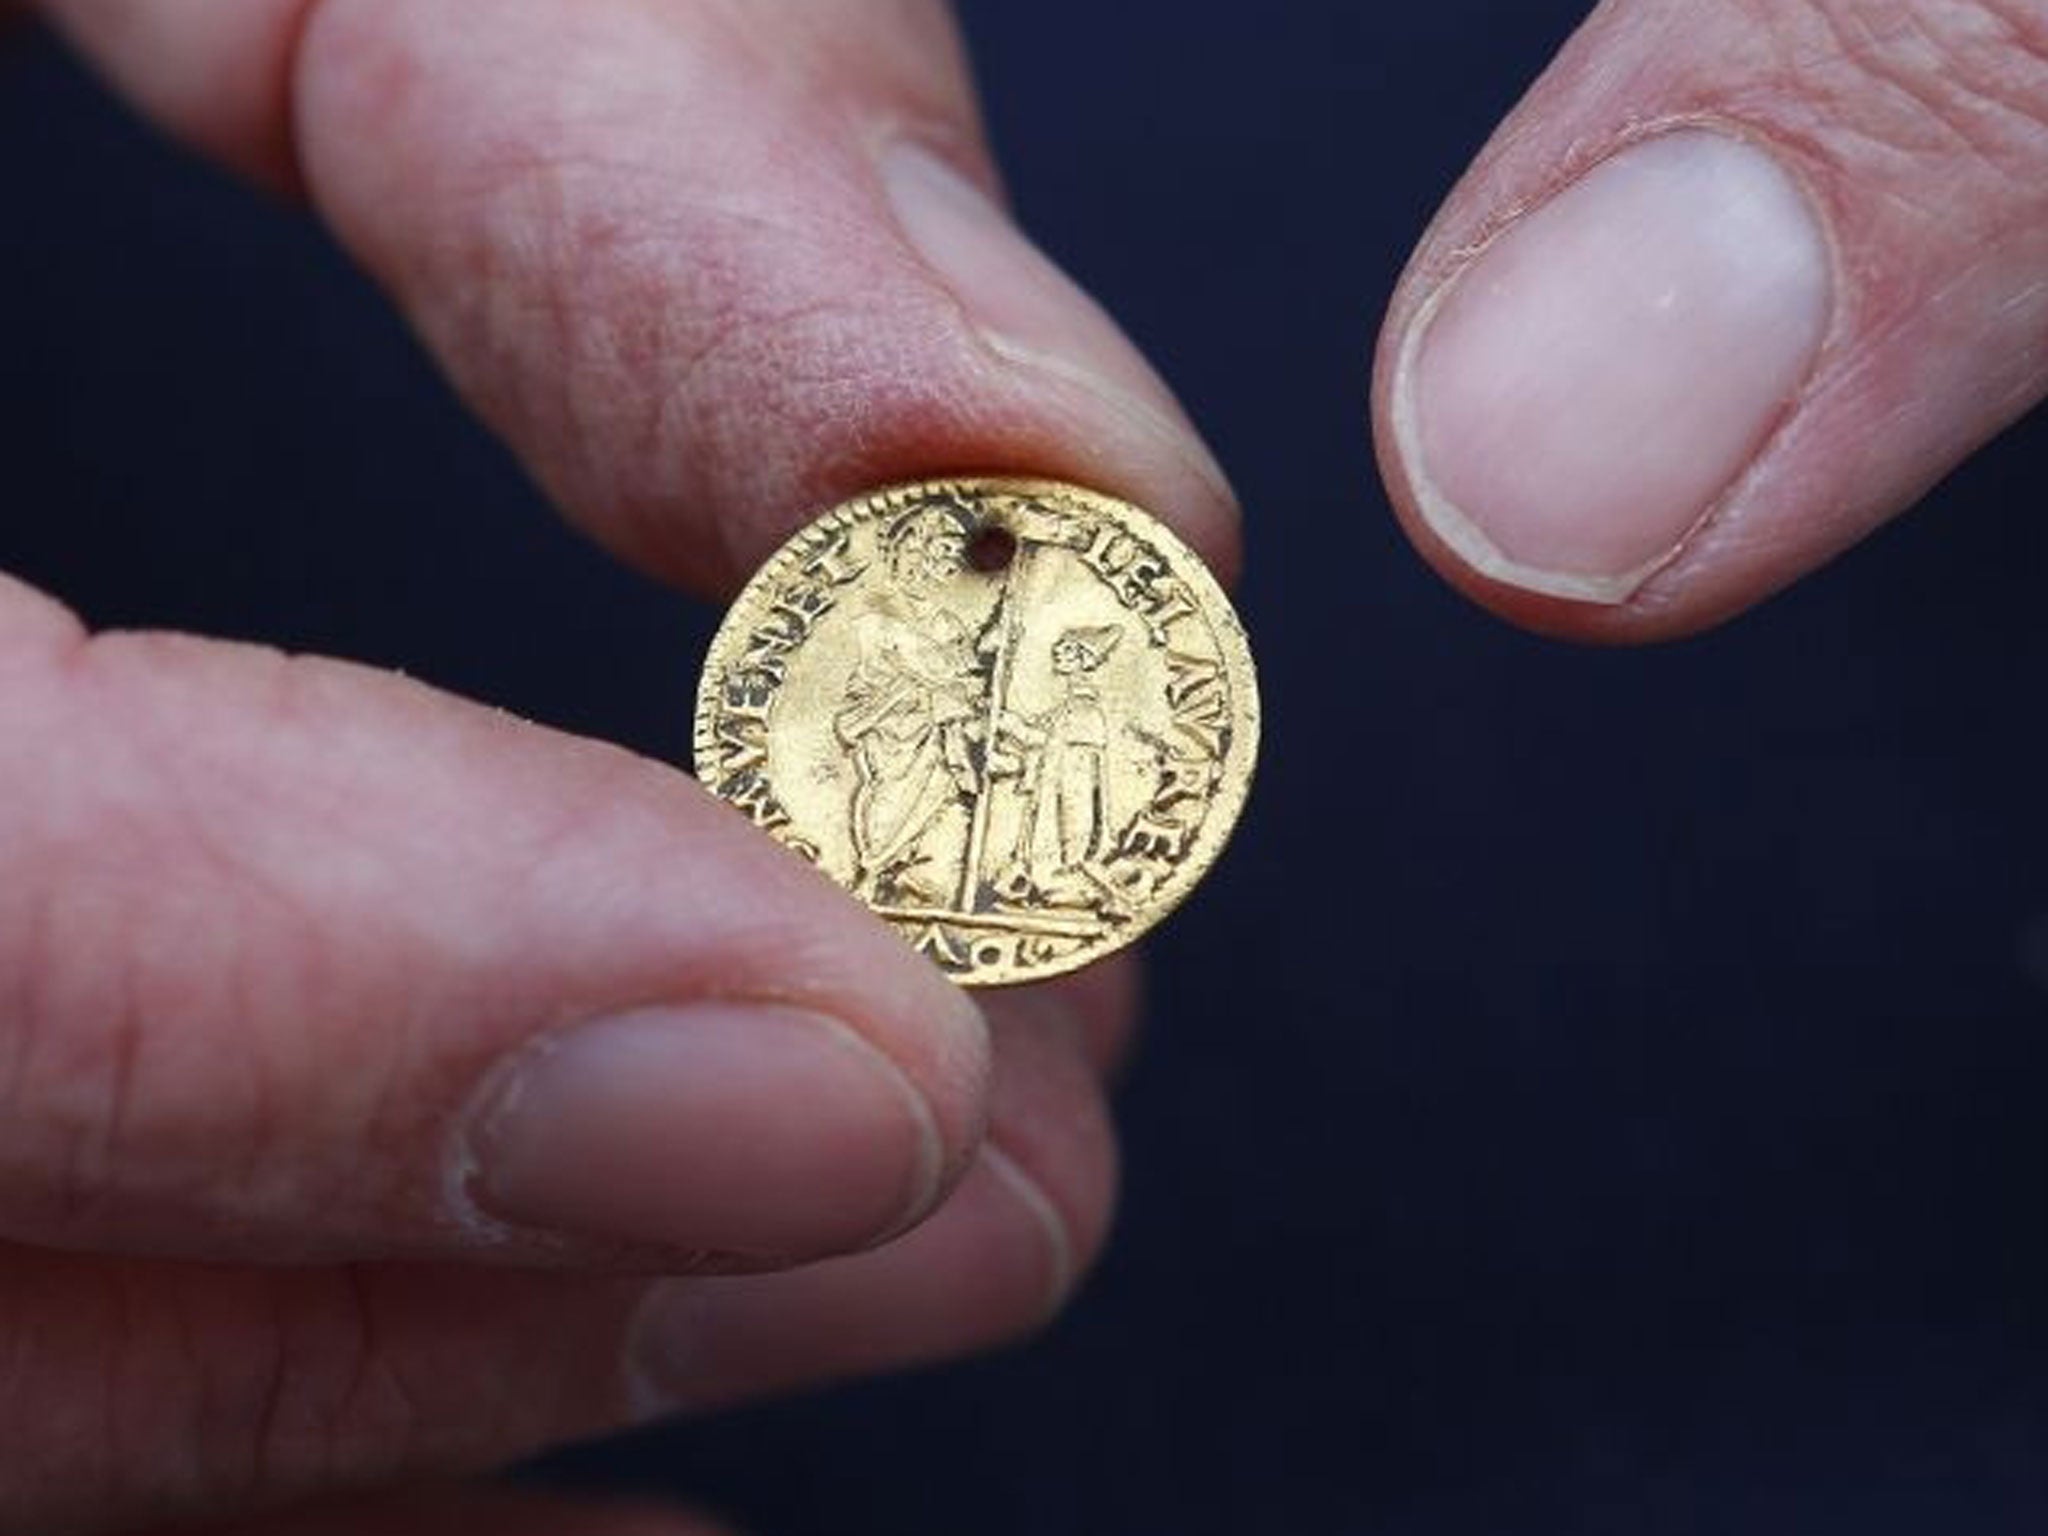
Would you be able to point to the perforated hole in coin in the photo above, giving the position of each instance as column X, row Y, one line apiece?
column 992, row 549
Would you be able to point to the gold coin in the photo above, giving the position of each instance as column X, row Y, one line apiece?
column 1016, row 718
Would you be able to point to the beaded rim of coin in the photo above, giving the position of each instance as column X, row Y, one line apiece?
column 928, row 692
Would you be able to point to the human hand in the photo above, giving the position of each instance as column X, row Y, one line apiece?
column 364, row 1049
column 1734, row 284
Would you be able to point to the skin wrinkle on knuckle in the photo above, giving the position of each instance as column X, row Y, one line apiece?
column 594, row 303
column 809, row 367
column 268, row 1456
column 320, row 1382
column 294, row 1391
column 71, row 1085
column 369, row 1398
column 121, row 1113
column 125, row 988
column 615, row 355
column 109, row 1401
column 295, row 1429
column 185, row 807
column 1961, row 81
column 736, row 354
column 47, row 1168
column 138, row 1407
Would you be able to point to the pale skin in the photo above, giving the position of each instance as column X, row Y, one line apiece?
column 276, row 929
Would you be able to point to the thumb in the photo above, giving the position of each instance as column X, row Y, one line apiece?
column 1736, row 282
column 302, row 961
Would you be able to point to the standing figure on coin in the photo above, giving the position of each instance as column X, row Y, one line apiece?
column 1064, row 829
column 908, row 709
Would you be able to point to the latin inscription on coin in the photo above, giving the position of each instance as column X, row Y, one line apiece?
column 1016, row 718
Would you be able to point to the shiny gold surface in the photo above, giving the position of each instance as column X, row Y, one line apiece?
column 1016, row 718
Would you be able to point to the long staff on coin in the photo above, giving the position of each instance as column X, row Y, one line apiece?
column 1012, row 631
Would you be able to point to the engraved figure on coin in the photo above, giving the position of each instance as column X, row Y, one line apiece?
column 1060, row 759
column 908, row 711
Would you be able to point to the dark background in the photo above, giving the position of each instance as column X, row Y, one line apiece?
column 1599, row 1092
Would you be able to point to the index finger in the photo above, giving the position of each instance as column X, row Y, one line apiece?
column 709, row 267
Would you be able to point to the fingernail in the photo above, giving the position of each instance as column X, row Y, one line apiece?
column 1028, row 311
column 737, row 1129
column 1578, row 398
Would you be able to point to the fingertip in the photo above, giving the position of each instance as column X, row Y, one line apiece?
column 1719, row 299
column 1557, row 618
column 749, row 1133
column 766, row 274
column 1101, row 1004
column 1057, row 345
column 991, row 1265
column 1569, row 403
column 1049, row 1120
column 995, row 1262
